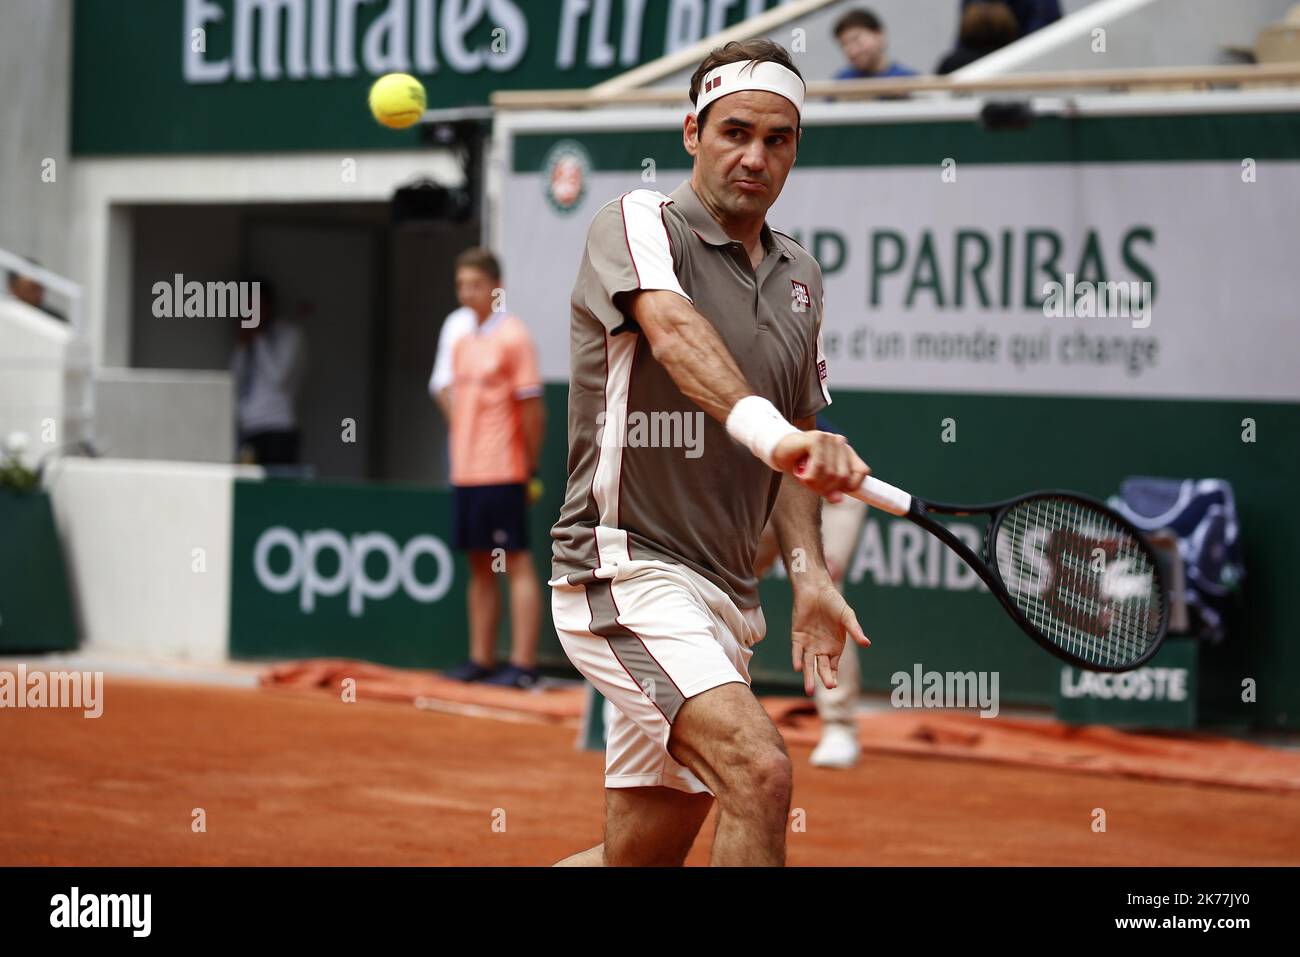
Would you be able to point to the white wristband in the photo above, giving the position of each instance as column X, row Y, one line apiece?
column 756, row 424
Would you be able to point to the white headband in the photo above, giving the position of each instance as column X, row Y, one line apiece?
column 765, row 75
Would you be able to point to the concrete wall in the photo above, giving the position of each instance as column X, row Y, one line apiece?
column 148, row 551
column 370, row 298
column 104, row 240
column 175, row 202
column 165, row 414
column 36, row 79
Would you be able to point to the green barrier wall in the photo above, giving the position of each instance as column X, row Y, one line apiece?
column 325, row 586
column 946, row 630
column 912, row 614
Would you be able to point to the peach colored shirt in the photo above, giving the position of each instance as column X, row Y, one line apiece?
column 494, row 367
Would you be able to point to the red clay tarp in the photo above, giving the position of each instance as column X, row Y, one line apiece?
column 1092, row 749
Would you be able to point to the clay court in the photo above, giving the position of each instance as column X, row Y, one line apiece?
column 291, row 777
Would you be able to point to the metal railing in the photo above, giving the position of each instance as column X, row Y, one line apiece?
column 1162, row 79
column 76, row 364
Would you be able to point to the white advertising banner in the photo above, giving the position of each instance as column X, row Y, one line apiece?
column 1159, row 279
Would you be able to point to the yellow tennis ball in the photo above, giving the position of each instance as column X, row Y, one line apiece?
column 397, row 100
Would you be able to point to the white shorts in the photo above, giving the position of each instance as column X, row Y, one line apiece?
column 649, row 638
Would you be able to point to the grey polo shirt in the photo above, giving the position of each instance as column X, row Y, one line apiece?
column 651, row 475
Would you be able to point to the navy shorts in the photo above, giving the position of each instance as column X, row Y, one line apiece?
column 484, row 517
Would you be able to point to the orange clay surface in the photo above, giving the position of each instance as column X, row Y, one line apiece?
column 300, row 777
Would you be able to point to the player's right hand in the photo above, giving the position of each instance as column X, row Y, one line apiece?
column 821, row 461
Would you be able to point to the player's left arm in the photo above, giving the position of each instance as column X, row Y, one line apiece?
column 822, row 619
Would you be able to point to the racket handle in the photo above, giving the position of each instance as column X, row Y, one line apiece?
column 876, row 493
column 884, row 496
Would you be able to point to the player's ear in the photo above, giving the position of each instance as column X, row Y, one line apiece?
column 691, row 134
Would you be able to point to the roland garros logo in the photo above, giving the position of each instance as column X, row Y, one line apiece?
column 564, row 175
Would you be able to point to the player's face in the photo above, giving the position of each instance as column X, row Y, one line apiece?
column 474, row 289
column 745, row 151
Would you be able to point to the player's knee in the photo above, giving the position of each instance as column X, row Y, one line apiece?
column 762, row 778
column 774, row 778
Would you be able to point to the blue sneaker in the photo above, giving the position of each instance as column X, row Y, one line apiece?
column 469, row 671
column 512, row 676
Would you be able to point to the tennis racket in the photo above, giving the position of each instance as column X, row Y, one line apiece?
column 1077, row 577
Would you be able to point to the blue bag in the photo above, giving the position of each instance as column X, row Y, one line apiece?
column 1203, row 515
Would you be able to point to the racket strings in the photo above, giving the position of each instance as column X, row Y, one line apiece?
column 1085, row 582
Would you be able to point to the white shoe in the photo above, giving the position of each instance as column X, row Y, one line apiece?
column 838, row 747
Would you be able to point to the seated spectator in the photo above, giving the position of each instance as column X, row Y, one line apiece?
column 862, row 40
column 1030, row 15
column 986, row 25
column 31, row 292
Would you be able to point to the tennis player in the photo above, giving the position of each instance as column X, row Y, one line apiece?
column 696, row 376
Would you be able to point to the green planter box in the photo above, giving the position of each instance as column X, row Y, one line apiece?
column 35, row 603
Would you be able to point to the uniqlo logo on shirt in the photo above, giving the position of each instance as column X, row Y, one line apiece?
column 802, row 298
